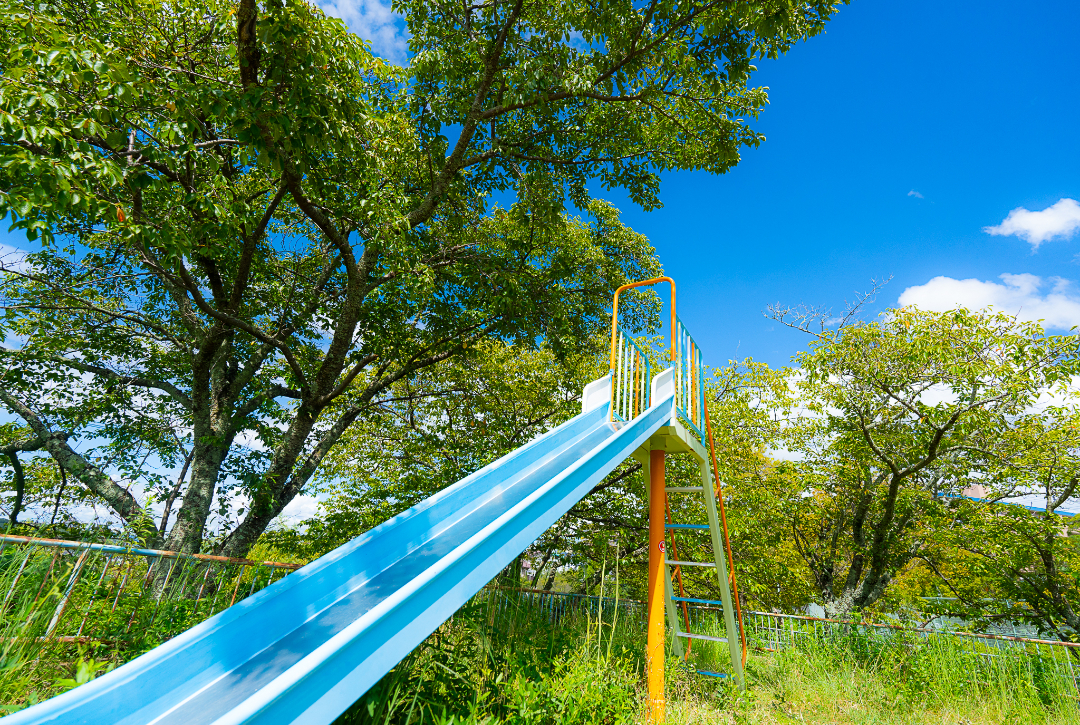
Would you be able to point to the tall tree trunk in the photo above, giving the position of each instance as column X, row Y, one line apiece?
column 274, row 494
column 543, row 563
column 187, row 532
column 20, row 487
column 210, row 446
column 287, row 476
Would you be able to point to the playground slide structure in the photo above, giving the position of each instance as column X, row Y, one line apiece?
column 308, row 646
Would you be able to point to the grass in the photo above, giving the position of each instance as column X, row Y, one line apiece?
column 111, row 606
column 867, row 679
column 501, row 661
column 815, row 687
column 502, row 658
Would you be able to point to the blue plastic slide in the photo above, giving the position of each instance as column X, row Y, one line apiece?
column 305, row 648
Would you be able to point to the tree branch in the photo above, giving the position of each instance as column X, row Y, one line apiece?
column 118, row 498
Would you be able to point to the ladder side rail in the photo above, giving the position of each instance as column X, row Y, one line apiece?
column 673, row 616
column 723, row 523
column 734, row 633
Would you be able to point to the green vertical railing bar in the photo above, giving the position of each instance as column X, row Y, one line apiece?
column 690, row 380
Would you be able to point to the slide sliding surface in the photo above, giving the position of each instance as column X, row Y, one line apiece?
column 308, row 646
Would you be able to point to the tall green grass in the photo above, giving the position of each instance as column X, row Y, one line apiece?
column 503, row 659
column 938, row 671
column 855, row 675
column 67, row 616
column 506, row 658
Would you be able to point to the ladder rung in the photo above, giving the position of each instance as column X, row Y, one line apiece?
column 703, row 527
column 721, row 675
column 691, row 635
column 688, row 563
column 697, row 601
column 684, row 489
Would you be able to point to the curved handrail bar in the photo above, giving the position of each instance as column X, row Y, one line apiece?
column 615, row 312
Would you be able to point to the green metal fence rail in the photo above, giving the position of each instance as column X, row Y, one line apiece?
column 772, row 631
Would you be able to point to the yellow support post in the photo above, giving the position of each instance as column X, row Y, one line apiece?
column 655, row 643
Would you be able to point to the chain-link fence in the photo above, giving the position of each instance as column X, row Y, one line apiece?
column 558, row 605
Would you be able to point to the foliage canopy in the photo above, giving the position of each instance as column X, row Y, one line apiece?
column 252, row 227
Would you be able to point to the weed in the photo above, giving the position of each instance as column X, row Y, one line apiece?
column 85, row 669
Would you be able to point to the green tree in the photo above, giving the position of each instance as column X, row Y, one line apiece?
column 253, row 226
column 761, row 502
column 438, row 427
column 130, row 344
column 457, row 417
column 898, row 412
column 1023, row 565
column 35, row 495
column 749, row 406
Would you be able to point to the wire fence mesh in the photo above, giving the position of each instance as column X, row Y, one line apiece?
column 1060, row 660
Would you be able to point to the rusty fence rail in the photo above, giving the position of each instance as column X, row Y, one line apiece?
column 77, row 592
column 72, row 592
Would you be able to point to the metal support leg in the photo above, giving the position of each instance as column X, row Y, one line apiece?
column 655, row 645
column 677, row 646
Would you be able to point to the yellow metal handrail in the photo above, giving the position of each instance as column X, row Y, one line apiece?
column 615, row 312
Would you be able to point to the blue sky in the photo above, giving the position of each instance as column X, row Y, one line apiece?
column 971, row 105
column 893, row 140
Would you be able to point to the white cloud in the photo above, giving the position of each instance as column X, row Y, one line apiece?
column 938, row 394
column 374, row 21
column 1020, row 294
column 1060, row 397
column 1035, row 227
column 916, row 194
column 250, row 439
column 301, row 508
column 783, row 454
